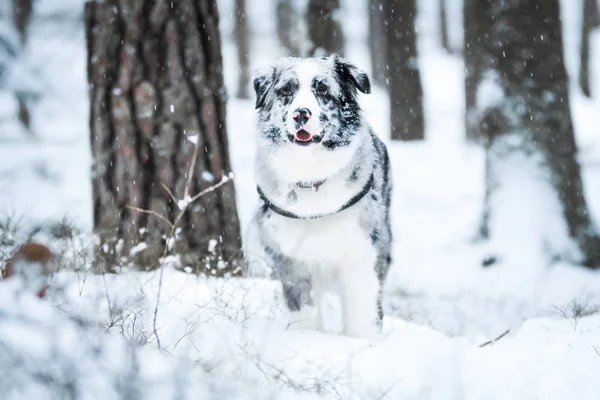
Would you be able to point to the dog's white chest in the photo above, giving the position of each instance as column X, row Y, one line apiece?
column 323, row 243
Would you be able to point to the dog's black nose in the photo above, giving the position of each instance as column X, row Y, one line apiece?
column 301, row 115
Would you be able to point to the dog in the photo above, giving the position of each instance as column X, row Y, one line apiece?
column 324, row 181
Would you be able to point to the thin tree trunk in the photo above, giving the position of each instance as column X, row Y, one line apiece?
column 156, row 87
column 405, row 91
column 242, row 38
column 472, row 62
column 379, row 68
column 22, row 10
column 288, row 27
column 590, row 20
column 445, row 42
column 324, row 31
column 534, row 182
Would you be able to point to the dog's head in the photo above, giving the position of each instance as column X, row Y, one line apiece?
column 310, row 101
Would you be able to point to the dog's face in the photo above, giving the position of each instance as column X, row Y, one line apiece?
column 310, row 102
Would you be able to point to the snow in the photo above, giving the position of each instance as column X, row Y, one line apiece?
column 524, row 197
column 45, row 354
column 489, row 93
column 235, row 338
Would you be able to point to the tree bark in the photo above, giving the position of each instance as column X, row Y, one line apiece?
column 377, row 43
column 525, row 115
column 405, row 91
column 287, row 27
column 590, row 20
column 156, row 87
column 445, row 42
column 324, row 31
column 472, row 53
column 242, row 38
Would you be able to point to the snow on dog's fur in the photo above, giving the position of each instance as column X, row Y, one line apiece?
column 324, row 180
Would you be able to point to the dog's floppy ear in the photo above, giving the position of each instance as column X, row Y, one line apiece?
column 348, row 71
column 263, row 82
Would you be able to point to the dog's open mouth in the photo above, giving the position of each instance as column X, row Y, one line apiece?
column 303, row 136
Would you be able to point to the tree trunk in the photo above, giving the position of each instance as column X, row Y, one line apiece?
column 242, row 38
column 377, row 43
column 22, row 10
column 590, row 20
column 156, row 89
column 405, row 91
column 445, row 42
column 534, row 185
column 324, row 31
column 287, row 27
column 472, row 54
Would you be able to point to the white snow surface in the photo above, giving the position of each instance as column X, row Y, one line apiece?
column 440, row 304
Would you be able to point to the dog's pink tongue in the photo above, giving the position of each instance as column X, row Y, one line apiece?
column 303, row 136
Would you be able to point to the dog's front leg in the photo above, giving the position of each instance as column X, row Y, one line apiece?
column 359, row 293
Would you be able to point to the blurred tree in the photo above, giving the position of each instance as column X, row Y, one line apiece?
column 242, row 38
column 471, row 55
column 21, row 15
column 405, row 91
column 377, row 42
column 157, row 97
column 590, row 20
column 324, row 31
column 526, row 119
column 445, row 42
column 288, row 27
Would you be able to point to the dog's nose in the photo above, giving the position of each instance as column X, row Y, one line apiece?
column 301, row 115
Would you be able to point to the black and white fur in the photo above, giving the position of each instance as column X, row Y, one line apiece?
column 346, row 251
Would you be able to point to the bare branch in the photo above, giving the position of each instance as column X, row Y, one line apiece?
column 190, row 174
column 224, row 180
column 171, row 195
column 154, row 329
column 495, row 340
column 151, row 213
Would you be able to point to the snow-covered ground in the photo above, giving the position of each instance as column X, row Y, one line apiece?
column 440, row 304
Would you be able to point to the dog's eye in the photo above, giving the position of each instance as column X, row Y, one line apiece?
column 285, row 91
column 322, row 89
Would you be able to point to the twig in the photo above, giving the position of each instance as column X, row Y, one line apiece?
column 495, row 340
column 596, row 350
column 184, row 207
column 151, row 213
column 224, row 180
column 188, row 183
column 154, row 329
column 171, row 195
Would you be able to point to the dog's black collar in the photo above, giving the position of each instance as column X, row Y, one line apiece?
column 346, row 205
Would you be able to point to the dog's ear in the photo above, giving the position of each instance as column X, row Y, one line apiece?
column 350, row 72
column 263, row 82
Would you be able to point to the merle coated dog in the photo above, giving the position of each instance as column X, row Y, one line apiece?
column 324, row 180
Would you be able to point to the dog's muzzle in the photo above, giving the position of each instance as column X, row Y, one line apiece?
column 302, row 137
